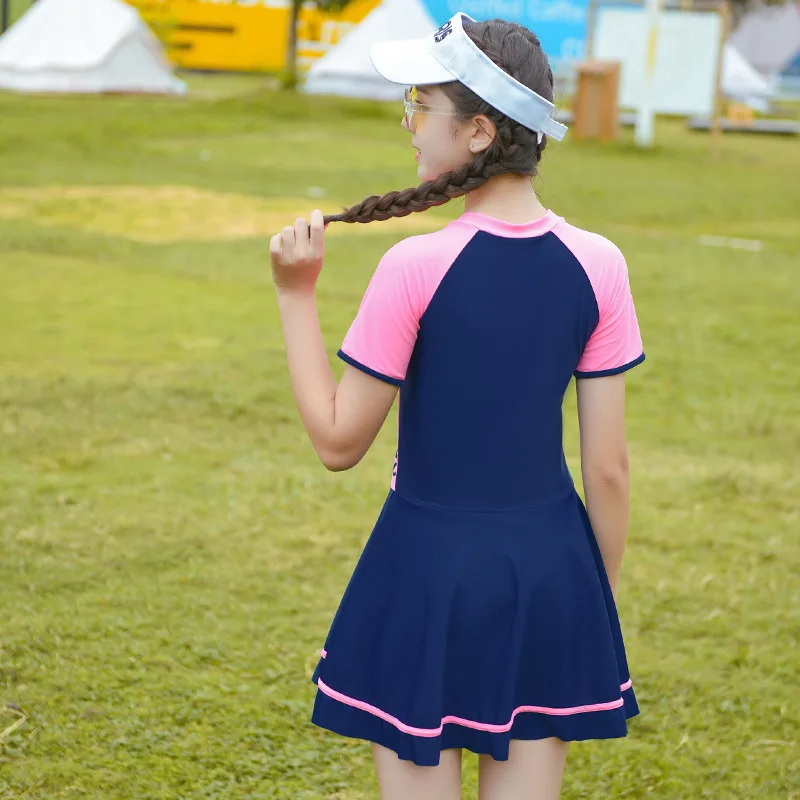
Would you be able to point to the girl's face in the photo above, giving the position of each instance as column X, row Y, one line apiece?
column 442, row 140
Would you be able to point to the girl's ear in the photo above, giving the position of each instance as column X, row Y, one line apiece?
column 483, row 133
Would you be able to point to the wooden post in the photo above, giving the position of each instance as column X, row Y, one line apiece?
column 591, row 22
column 716, row 120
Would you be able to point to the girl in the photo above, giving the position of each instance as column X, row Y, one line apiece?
column 481, row 613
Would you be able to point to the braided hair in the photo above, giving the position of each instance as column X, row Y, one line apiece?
column 514, row 150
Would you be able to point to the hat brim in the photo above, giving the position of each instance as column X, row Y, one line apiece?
column 408, row 62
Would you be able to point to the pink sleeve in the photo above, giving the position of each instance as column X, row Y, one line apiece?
column 616, row 343
column 383, row 334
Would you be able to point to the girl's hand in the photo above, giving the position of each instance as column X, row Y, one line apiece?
column 296, row 255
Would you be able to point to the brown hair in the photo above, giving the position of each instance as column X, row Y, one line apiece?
column 514, row 150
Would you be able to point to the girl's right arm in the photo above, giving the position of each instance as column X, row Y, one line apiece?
column 604, row 466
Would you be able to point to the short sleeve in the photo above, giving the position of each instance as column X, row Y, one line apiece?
column 383, row 334
column 615, row 345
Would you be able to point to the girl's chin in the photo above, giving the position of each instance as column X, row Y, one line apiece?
column 425, row 174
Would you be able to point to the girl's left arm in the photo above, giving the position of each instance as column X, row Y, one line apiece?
column 342, row 420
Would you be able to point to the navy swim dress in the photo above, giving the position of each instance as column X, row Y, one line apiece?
column 479, row 610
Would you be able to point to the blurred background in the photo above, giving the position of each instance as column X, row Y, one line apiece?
column 172, row 550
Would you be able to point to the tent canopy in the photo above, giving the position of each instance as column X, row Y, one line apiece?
column 743, row 83
column 84, row 46
column 346, row 69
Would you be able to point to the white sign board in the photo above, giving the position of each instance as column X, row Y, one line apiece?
column 687, row 48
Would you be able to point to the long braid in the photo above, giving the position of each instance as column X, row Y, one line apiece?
column 437, row 192
column 514, row 149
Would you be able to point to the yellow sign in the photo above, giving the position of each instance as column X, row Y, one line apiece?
column 246, row 35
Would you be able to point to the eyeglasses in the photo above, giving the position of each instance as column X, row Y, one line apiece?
column 411, row 105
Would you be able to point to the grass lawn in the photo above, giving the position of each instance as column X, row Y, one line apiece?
column 173, row 553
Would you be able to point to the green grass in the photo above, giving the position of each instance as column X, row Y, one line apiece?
column 16, row 8
column 173, row 552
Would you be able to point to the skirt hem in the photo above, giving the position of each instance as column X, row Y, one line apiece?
column 353, row 723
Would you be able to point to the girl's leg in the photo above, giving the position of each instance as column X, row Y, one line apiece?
column 404, row 780
column 533, row 771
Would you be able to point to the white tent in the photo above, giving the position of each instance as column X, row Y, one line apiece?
column 84, row 46
column 346, row 69
column 743, row 83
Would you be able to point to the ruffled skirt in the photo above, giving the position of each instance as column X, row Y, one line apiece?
column 466, row 629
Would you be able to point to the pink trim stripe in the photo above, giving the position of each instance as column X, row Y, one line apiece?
column 324, row 653
column 468, row 723
column 627, row 685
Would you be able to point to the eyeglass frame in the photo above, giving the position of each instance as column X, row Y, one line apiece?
column 410, row 105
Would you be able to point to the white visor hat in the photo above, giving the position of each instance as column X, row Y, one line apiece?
column 448, row 54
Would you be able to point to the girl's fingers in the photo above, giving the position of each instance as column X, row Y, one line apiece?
column 295, row 245
column 301, row 232
column 288, row 240
column 275, row 248
column 317, row 233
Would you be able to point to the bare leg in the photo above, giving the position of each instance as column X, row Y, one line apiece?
column 404, row 780
column 533, row 771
